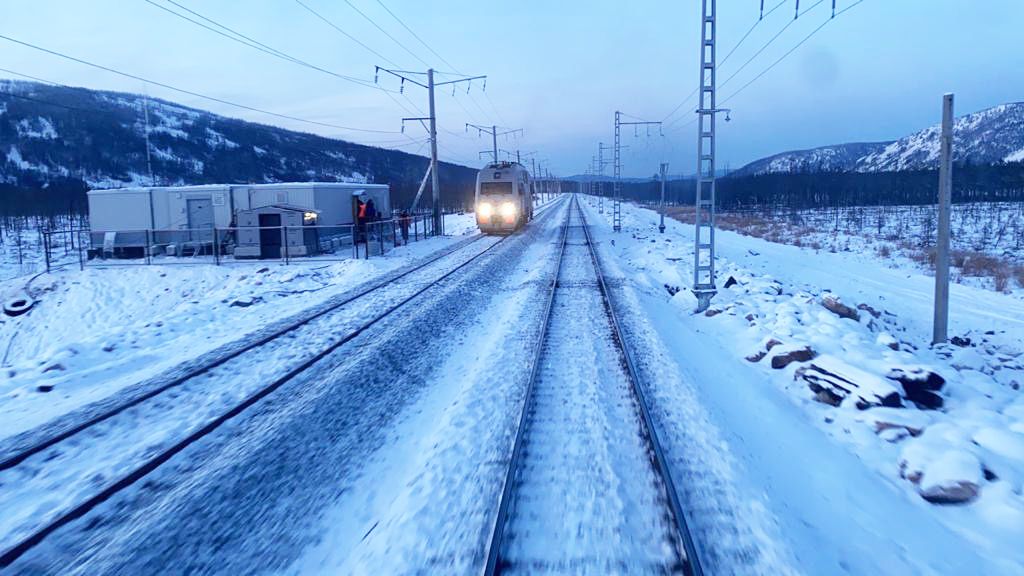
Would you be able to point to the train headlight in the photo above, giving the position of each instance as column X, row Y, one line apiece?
column 508, row 210
column 485, row 209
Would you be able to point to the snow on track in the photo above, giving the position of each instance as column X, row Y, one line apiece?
column 586, row 498
column 75, row 469
column 250, row 498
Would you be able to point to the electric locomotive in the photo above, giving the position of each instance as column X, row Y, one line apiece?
column 504, row 201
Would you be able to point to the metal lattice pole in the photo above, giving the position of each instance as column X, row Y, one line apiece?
column 704, row 223
column 617, row 202
column 617, row 185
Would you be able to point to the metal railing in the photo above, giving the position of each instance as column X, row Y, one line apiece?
column 219, row 246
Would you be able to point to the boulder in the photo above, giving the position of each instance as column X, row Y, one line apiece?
column 757, row 357
column 952, row 478
column 780, row 361
column 840, row 380
column 832, row 304
column 919, row 386
column 869, row 310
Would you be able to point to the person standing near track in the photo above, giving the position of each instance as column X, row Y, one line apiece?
column 361, row 221
column 403, row 223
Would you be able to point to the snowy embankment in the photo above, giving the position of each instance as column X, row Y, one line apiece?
column 936, row 433
column 92, row 333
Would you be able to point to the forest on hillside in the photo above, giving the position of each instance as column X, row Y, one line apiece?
column 809, row 190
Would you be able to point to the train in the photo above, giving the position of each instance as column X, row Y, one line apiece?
column 504, row 201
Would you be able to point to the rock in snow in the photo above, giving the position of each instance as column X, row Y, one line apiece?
column 832, row 380
column 919, row 385
column 832, row 304
column 953, row 478
column 804, row 354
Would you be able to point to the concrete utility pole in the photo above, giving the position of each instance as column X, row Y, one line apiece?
column 435, row 183
column 661, row 207
column 149, row 157
column 430, row 85
column 493, row 131
column 617, row 185
column 945, row 198
column 704, row 224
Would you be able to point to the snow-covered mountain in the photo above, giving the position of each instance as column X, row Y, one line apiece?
column 992, row 136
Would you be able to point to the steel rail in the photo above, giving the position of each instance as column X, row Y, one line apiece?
column 51, row 441
column 691, row 562
column 506, row 494
column 8, row 556
column 693, row 567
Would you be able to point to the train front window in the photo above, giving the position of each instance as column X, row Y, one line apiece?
column 495, row 188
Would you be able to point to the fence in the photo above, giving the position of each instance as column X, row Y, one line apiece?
column 235, row 244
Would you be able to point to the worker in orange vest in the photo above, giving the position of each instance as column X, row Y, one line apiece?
column 361, row 221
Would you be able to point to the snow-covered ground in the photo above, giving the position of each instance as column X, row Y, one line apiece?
column 844, row 485
column 986, row 238
column 395, row 452
column 91, row 333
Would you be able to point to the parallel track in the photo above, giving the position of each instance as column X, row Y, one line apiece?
column 11, row 553
column 688, row 562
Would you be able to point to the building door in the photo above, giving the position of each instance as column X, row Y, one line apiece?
column 200, row 220
column 270, row 235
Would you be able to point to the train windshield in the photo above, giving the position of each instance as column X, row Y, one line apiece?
column 493, row 188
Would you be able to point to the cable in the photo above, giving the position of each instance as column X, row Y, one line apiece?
column 399, row 20
column 191, row 93
column 272, row 51
column 246, row 41
column 793, row 49
column 347, row 35
column 493, row 107
column 370, row 20
column 724, row 60
column 255, row 43
column 773, row 64
column 47, row 102
column 27, row 76
column 769, row 43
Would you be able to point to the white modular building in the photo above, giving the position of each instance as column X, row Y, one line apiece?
column 130, row 220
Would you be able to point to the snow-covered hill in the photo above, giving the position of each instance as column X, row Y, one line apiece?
column 62, row 140
column 992, row 136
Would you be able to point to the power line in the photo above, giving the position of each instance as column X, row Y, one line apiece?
column 769, row 43
column 370, row 20
column 346, row 34
column 399, row 20
column 268, row 49
column 449, row 64
column 27, row 76
column 493, row 107
column 255, row 43
column 47, row 102
column 769, row 13
column 724, row 60
column 246, row 41
column 776, row 62
column 191, row 93
column 791, row 50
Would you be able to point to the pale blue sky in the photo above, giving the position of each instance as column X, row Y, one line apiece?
column 558, row 70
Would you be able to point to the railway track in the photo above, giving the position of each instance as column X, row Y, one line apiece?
column 88, row 463
column 587, row 489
